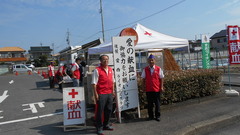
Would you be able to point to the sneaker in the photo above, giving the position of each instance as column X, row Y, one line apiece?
column 108, row 128
column 100, row 132
column 158, row 119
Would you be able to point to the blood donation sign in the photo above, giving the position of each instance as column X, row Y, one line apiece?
column 125, row 72
column 74, row 107
column 233, row 44
column 206, row 52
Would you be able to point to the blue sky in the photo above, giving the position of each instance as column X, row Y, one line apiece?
column 26, row 23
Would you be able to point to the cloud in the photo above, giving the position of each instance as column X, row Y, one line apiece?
column 225, row 7
column 227, row 22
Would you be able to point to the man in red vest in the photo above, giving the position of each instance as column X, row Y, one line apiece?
column 103, row 85
column 76, row 72
column 51, row 74
column 153, row 83
column 60, row 73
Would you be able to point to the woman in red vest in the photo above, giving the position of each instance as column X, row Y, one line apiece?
column 76, row 72
column 60, row 73
column 103, row 85
column 153, row 81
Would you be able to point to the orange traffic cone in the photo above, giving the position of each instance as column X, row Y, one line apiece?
column 29, row 72
column 16, row 73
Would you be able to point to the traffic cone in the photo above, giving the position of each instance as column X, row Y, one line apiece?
column 29, row 72
column 16, row 73
column 38, row 72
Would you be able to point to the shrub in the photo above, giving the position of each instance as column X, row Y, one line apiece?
column 186, row 84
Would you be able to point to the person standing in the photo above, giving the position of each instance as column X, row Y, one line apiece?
column 153, row 83
column 60, row 73
column 51, row 74
column 76, row 72
column 103, row 86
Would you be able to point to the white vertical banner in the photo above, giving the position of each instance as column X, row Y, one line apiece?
column 74, row 106
column 125, row 72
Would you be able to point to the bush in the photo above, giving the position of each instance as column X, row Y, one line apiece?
column 186, row 84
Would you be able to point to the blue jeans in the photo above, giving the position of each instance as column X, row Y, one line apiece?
column 75, row 82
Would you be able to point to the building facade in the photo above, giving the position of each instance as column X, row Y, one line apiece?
column 13, row 55
column 36, row 51
column 219, row 40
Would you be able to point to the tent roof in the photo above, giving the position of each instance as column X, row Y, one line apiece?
column 147, row 39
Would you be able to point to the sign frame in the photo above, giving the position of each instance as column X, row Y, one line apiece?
column 125, row 74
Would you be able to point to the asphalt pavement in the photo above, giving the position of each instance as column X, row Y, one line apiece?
column 189, row 117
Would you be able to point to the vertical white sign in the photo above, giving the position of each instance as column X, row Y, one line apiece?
column 125, row 72
column 74, row 106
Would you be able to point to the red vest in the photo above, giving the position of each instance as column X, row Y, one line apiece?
column 76, row 72
column 152, row 81
column 105, row 81
column 51, row 71
column 61, row 68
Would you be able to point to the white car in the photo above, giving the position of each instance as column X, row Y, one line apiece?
column 21, row 68
column 30, row 66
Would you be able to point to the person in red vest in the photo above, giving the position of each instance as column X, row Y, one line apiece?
column 103, row 85
column 76, row 72
column 153, row 83
column 51, row 74
column 60, row 73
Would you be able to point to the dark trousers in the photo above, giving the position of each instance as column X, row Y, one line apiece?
column 51, row 81
column 59, row 78
column 153, row 98
column 105, row 103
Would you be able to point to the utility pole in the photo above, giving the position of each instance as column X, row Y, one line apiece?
column 53, row 47
column 101, row 12
column 68, row 37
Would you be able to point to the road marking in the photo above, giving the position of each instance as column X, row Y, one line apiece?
column 30, row 118
column 33, row 107
column 4, row 96
column 1, row 117
column 11, row 82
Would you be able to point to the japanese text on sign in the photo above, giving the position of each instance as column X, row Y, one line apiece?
column 74, row 106
column 125, row 72
column 234, row 44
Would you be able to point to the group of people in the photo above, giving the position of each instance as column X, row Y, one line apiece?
column 75, row 71
column 103, row 84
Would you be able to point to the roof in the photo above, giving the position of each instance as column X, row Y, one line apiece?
column 11, row 49
column 40, row 48
column 13, row 59
column 222, row 33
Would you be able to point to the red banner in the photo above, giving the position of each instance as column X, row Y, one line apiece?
column 234, row 44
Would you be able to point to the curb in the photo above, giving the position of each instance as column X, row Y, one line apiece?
column 209, row 125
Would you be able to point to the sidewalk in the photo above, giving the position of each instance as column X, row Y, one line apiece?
column 190, row 117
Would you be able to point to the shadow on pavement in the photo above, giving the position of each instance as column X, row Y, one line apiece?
column 52, row 99
column 57, row 129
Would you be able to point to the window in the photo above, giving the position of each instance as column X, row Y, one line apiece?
column 218, row 40
column 18, row 66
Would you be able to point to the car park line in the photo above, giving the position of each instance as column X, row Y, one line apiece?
column 30, row 118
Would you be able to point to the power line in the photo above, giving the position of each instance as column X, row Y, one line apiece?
column 147, row 16
column 144, row 18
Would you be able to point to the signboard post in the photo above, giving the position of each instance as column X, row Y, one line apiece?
column 74, row 107
column 206, row 52
column 125, row 74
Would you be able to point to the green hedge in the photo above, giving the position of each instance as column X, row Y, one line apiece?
column 186, row 84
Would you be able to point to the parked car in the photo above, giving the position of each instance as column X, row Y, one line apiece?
column 21, row 68
column 30, row 66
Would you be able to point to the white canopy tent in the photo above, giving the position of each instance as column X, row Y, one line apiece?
column 147, row 39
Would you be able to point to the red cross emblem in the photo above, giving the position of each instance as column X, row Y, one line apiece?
column 234, row 32
column 147, row 33
column 73, row 93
